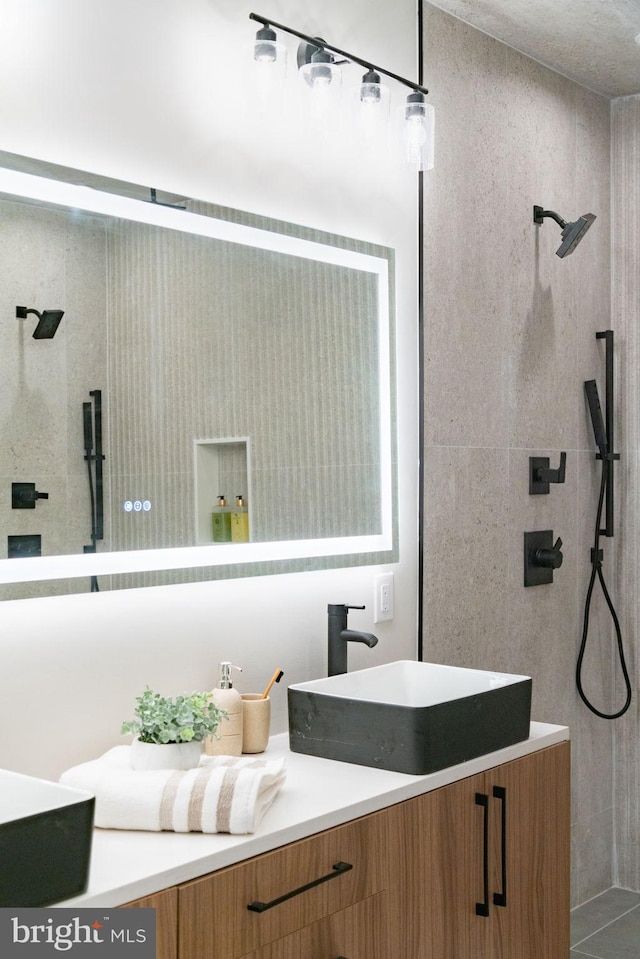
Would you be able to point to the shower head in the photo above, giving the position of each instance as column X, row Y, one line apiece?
column 572, row 233
column 48, row 321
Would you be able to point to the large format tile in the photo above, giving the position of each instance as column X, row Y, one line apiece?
column 594, row 915
column 617, row 941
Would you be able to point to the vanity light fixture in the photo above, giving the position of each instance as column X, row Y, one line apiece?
column 319, row 63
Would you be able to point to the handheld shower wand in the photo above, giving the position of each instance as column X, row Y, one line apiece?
column 604, row 441
column 595, row 410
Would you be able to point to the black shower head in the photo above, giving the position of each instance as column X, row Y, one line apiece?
column 572, row 233
column 48, row 321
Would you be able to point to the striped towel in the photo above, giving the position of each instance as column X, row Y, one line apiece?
column 223, row 794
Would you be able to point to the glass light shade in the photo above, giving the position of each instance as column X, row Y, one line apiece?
column 369, row 112
column 265, row 49
column 418, row 131
column 320, row 71
column 371, row 88
column 268, row 68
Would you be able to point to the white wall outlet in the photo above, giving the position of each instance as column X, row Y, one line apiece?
column 383, row 598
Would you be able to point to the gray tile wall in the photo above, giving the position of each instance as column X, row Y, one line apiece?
column 50, row 260
column 230, row 341
column 509, row 341
column 626, row 310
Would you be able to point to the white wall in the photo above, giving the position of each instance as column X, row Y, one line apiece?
column 156, row 92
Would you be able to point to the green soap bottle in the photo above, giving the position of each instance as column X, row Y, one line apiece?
column 240, row 521
column 221, row 521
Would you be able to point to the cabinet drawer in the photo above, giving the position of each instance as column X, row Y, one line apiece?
column 165, row 904
column 359, row 932
column 216, row 923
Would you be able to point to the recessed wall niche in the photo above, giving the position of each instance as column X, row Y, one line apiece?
column 222, row 468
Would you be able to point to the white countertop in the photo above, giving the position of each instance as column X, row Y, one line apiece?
column 317, row 794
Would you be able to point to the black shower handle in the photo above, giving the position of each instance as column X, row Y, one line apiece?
column 549, row 558
column 31, row 496
column 25, row 495
column 545, row 475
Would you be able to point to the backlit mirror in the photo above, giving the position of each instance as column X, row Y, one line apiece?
column 215, row 400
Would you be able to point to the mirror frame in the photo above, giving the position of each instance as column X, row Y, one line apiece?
column 26, row 186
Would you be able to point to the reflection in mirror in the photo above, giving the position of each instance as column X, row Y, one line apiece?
column 218, row 397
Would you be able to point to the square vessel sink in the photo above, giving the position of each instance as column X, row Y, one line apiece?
column 45, row 840
column 409, row 717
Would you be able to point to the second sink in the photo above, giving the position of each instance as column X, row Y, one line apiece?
column 46, row 832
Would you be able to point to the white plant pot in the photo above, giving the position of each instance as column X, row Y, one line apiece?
column 165, row 756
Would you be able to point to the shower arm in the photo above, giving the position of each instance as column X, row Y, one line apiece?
column 539, row 214
column 609, row 456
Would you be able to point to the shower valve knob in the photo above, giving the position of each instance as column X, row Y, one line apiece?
column 549, row 558
column 24, row 495
column 541, row 557
column 540, row 475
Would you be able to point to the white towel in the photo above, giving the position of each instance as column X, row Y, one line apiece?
column 223, row 794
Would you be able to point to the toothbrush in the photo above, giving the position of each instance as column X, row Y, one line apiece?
column 277, row 676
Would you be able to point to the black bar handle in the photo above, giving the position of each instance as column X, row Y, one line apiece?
column 482, row 908
column 607, row 336
column 99, row 458
column 338, row 869
column 499, row 792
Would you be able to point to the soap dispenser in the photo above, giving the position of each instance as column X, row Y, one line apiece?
column 221, row 521
column 239, row 521
column 230, row 728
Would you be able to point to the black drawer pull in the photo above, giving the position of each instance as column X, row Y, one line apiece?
column 499, row 792
column 482, row 908
column 338, row 869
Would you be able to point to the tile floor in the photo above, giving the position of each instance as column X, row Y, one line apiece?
column 607, row 927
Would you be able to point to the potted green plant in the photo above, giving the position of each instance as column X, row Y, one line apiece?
column 169, row 731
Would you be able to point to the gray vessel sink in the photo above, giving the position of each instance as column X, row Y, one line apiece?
column 409, row 717
column 45, row 840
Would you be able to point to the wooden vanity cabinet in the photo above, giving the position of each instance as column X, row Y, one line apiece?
column 478, row 869
column 318, row 891
column 489, row 876
column 165, row 904
column 359, row 932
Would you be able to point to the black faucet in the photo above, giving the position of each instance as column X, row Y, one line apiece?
column 339, row 636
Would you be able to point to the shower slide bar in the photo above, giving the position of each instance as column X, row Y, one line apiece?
column 608, row 455
column 92, row 421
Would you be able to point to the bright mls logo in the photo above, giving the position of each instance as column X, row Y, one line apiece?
column 79, row 933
